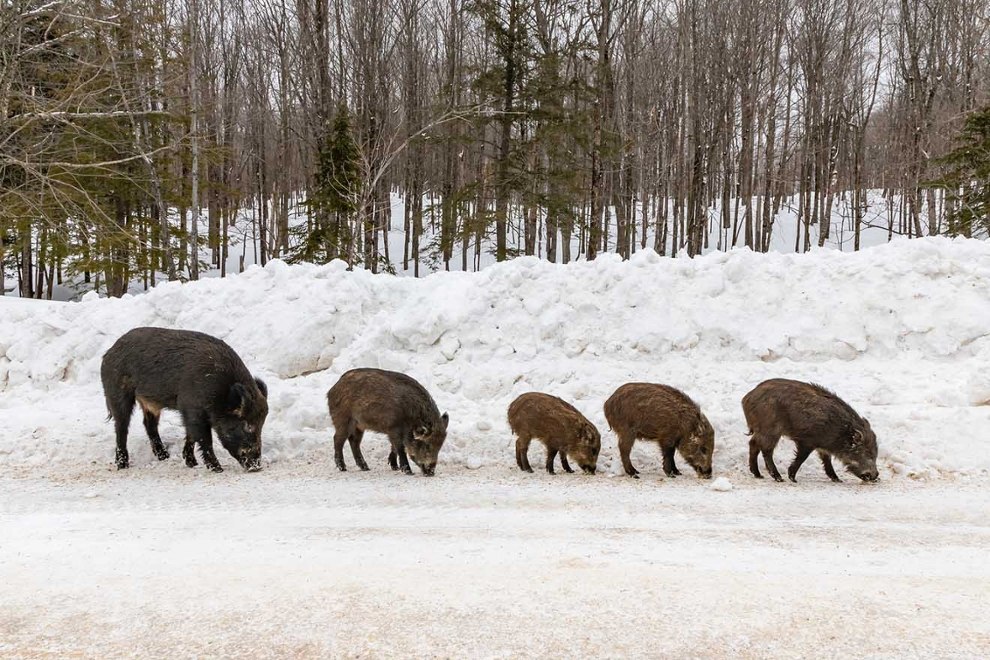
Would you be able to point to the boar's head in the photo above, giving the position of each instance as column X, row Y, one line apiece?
column 859, row 454
column 425, row 444
column 239, row 425
column 698, row 448
column 585, row 451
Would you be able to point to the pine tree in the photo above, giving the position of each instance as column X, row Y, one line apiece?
column 967, row 182
column 334, row 199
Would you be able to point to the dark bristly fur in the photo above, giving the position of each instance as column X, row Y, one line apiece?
column 198, row 375
column 559, row 426
column 664, row 415
column 815, row 419
column 391, row 403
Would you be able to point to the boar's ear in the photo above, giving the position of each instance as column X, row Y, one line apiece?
column 420, row 432
column 237, row 399
column 857, row 438
column 444, row 419
column 262, row 387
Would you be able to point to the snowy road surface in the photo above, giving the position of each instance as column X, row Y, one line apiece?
column 301, row 561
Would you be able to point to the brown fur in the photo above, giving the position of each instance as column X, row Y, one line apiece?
column 816, row 419
column 386, row 402
column 559, row 426
column 664, row 415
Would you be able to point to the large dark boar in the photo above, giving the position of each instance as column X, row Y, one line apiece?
column 196, row 374
column 815, row 419
column 391, row 403
column 559, row 426
column 666, row 416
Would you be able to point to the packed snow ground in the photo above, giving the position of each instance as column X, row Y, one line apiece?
column 482, row 561
column 300, row 561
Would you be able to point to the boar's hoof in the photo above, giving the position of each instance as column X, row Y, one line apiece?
column 215, row 468
column 161, row 453
column 190, row 457
column 407, row 470
column 779, row 479
column 122, row 460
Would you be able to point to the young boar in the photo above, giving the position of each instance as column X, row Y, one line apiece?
column 391, row 403
column 815, row 419
column 198, row 375
column 559, row 426
column 664, row 415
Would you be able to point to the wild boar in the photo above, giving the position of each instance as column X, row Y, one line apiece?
column 815, row 419
column 391, row 403
column 198, row 375
column 559, row 426
column 664, row 415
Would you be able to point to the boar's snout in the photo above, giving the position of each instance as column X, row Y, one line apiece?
column 869, row 475
column 429, row 469
column 250, row 463
column 704, row 473
column 588, row 469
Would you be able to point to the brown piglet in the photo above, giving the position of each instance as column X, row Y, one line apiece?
column 559, row 426
column 664, row 415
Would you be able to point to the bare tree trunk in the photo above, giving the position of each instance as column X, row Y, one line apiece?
column 194, row 137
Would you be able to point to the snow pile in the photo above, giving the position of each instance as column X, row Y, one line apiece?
column 901, row 331
column 721, row 485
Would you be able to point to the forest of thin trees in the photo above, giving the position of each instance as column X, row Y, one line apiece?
column 136, row 134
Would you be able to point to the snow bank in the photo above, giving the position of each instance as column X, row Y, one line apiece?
column 901, row 331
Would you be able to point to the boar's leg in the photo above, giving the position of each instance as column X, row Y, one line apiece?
column 766, row 448
column 671, row 455
column 355, row 441
column 669, row 468
column 189, row 452
column 754, row 451
column 551, row 455
column 802, row 454
column 198, row 430
column 827, row 464
column 564, row 463
column 403, row 459
column 121, row 420
column 393, row 460
column 339, row 438
column 625, row 446
column 151, row 426
column 522, row 451
column 399, row 449
column 121, row 413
